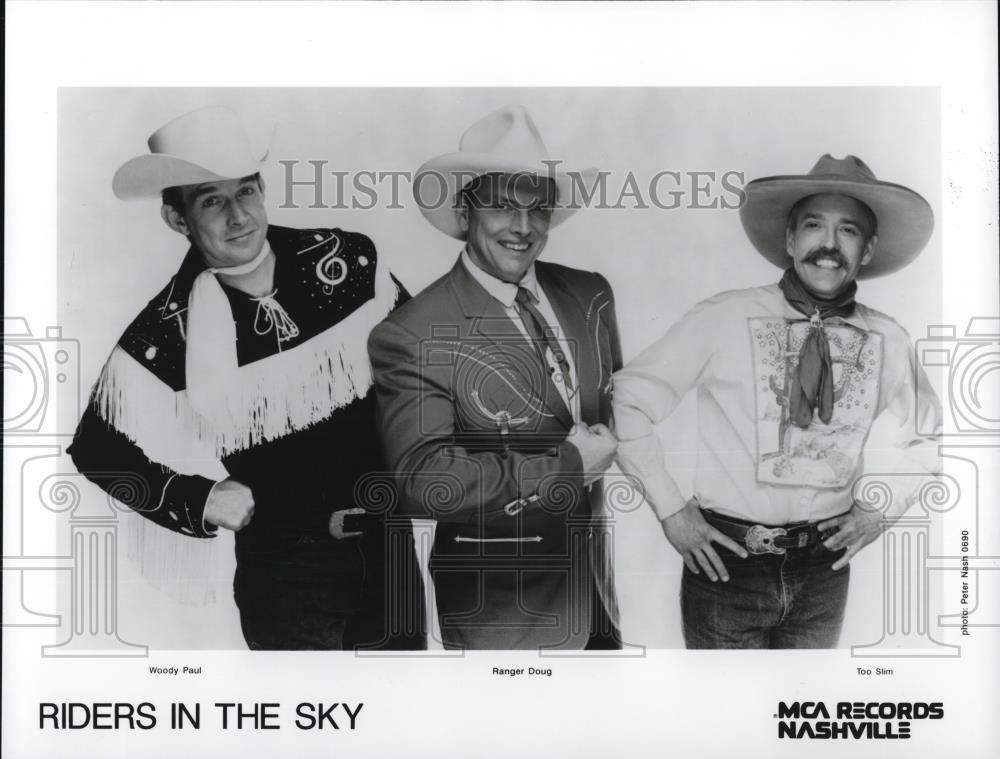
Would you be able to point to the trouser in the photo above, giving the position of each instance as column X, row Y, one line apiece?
column 604, row 633
column 314, row 592
column 788, row 600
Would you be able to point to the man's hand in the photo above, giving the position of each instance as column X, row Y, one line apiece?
column 855, row 529
column 229, row 505
column 597, row 447
column 692, row 536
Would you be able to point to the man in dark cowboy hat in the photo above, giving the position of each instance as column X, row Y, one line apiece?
column 254, row 355
column 790, row 378
column 493, row 392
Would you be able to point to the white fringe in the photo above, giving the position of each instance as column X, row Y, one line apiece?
column 192, row 572
column 281, row 394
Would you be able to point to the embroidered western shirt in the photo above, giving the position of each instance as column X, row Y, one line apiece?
column 737, row 350
column 307, row 433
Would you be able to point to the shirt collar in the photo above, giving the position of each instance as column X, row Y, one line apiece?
column 505, row 292
column 856, row 319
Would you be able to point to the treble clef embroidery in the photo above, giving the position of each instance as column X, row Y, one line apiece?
column 331, row 269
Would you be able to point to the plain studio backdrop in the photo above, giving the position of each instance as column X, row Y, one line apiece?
column 115, row 256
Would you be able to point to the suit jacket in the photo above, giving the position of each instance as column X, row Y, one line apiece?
column 475, row 433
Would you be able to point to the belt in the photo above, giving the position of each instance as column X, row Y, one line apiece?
column 760, row 539
column 344, row 524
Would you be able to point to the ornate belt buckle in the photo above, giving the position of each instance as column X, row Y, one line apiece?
column 760, row 539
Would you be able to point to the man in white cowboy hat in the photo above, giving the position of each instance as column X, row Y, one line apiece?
column 493, row 393
column 790, row 378
column 254, row 355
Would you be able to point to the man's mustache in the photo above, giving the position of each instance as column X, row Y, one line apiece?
column 825, row 252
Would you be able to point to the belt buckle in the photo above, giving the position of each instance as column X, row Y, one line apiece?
column 760, row 539
column 516, row 506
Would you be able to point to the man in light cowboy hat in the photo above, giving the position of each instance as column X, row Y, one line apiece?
column 254, row 355
column 493, row 391
column 790, row 378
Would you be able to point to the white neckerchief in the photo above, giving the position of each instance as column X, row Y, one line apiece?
column 210, row 357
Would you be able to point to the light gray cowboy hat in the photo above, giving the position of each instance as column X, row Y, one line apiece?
column 905, row 220
column 206, row 145
column 506, row 141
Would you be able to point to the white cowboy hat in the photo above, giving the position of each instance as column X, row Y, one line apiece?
column 905, row 219
column 206, row 145
column 506, row 141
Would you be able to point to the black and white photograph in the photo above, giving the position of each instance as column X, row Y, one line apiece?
column 438, row 413
column 593, row 414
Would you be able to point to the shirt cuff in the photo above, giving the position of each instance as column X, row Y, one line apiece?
column 643, row 459
column 185, row 504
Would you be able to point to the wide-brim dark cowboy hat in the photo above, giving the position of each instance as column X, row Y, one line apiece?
column 506, row 142
column 905, row 219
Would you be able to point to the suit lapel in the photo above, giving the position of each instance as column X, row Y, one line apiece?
column 573, row 320
column 487, row 317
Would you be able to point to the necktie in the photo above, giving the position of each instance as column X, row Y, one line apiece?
column 542, row 334
column 813, row 390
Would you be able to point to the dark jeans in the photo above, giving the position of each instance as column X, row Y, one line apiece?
column 313, row 592
column 791, row 600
